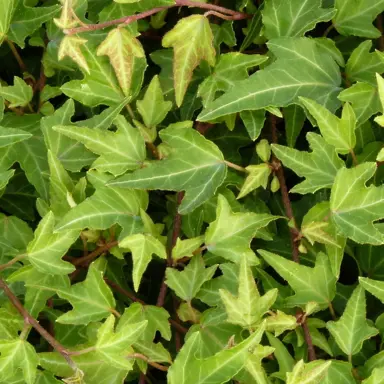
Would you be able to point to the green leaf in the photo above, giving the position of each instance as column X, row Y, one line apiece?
column 302, row 68
column 377, row 377
column 122, row 48
column 153, row 108
column 310, row 284
column 380, row 82
column 308, row 373
column 10, row 323
column 70, row 46
column 192, row 41
column 119, row 151
column 356, row 17
column 92, row 300
column 281, row 322
column 374, row 287
column 355, row 217
column 338, row 132
column 319, row 167
column 185, row 248
column 294, row 121
column 9, row 136
column 248, row 307
column 19, row 94
column 352, row 329
column 187, row 283
column 299, row 17
column 254, row 122
column 18, row 354
column 47, row 248
column 230, row 235
column 258, row 177
column 199, row 174
column 230, row 68
column 219, row 368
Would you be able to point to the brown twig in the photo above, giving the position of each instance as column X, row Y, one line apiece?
column 97, row 252
column 294, row 231
column 28, row 319
column 17, row 56
column 146, row 359
column 225, row 12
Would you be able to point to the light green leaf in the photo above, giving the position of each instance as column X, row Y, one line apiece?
column 92, row 300
column 312, row 373
column 18, row 354
column 318, row 167
column 374, row 287
column 254, row 122
column 5, row 177
column 314, row 232
column 47, row 248
column 153, row 108
column 19, row 94
column 219, row 368
column 248, row 307
column 122, row 48
column 189, row 52
column 188, row 282
column 119, row 151
column 355, row 17
column 294, row 117
column 258, row 177
column 377, row 377
column 10, row 323
column 302, row 68
column 185, row 248
column 9, row 136
column 230, row 235
column 231, row 67
column 380, row 83
column 352, row 329
column 310, row 284
column 293, row 18
column 339, row 132
column 281, row 322
column 195, row 165
column 70, row 46
column 7, row 10
column 355, row 207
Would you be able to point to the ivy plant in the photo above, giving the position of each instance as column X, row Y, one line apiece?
column 191, row 192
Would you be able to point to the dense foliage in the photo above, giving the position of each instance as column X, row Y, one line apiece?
column 191, row 192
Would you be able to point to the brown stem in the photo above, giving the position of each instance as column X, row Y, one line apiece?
column 11, row 262
column 354, row 158
column 97, row 252
column 178, row 3
column 142, row 379
column 146, row 359
column 28, row 319
column 18, row 58
column 294, row 231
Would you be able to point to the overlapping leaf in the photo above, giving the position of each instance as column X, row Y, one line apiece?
column 19, row 94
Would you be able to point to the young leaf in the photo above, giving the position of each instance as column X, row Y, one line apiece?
column 230, row 235
column 71, row 46
column 187, row 283
column 122, row 47
column 119, row 151
column 339, row 133
column 319, row 167
column 258, row 177
column 248, row 308
column 92, row 300
column 185, row 248
column 18, row 354
column 355, row 18
column 310, row 284
column 352, row 329
column 281, row 322
column 299, row 17
column 19, row 94
column 355, row 217
column 301, row 68
column 192, row 41
column 47, row 248
column 308, row 374
column 199, row 174
column 374, row 287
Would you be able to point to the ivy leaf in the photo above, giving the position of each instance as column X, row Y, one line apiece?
column 375, row 287
column 319, row 167
column 377, row 377
column 92, row 300
column 230, row 235
column 10, row 324
column 316, row 284
column 18, row 354
column 47, row 248
column 231, row 67
column 122, row 48
column 294, row 121
column 19, row 94
column 248, row 308
column 187, row 283
column 308, row 373
column 9, row 136
column 338, row 132
column 153, row 108
column 219, row 368
column 352, row 329
column 192, row 41
column 254, row 122
column 281, row 322
column 119, row 151
column 355, row 18
column 299, row 17
column 185, row 248
column 199, row 174
column 380, row 83
column 258, row 177
column 302, row 68
column 113, row 346
column 363, row 65
column 70, row 46
column 355, row 217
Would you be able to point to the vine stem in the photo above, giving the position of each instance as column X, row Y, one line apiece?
column 294, row 232
column 28, row 319
column 97, row 252
column 13, row 261
column 18, row 58
column 226, row 13
column 146, row 359
column 235, row 166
